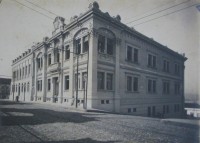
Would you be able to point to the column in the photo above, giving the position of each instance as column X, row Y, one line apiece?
column 52, row 89
column 71, row 74
column 60, row 96
column 44, row 75
column 117, row 75
column 92, row 70
column 35, row 79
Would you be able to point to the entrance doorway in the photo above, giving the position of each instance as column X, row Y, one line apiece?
column 55, row 89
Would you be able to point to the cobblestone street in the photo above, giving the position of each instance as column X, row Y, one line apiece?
column 34, row 122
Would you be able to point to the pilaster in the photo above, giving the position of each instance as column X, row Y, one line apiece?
column 117, row 76
column 71, row 74
column 92, row 68
column 44, row 75
column 35, row 79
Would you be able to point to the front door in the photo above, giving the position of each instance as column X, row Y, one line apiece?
column 56, row 88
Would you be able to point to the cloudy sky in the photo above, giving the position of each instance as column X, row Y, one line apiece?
column 174, row 23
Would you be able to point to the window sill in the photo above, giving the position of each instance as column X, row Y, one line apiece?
column 132, row 62
column 104, row 90
column 166, row 72
column 105, row 54
column 152, row 93
column 133, row 92
column 155, row 68
column 66, row 60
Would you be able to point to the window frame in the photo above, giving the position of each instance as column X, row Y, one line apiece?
column 152, row 88
column 152, row 61
column 132, row 53
column 66, row 82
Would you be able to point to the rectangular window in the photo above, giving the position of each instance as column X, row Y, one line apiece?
column 58, row 57
column 29, row 68
column 26, row 71
column 166, row 87
column 107, row 101
column 110, row 46
column 135, row 84
column 101, row 80
column 109, row 83
column 67, row 82
column 151, row 86
column 151, row 61
column 67, row 52
column 28, row 87
column 40, row 85
column 38, row 63
column 23, row 72
column 85, row 44
column 102, row 101
column 129, row 53
column 136, row 55
column 129, row 110
column 177, row 88
column 101, row 44
column 77, row 82
column 49, row 84
column 132, row 54
column 129, row 83
column 84, row 80
column 134, row 109
column 41, row 60
column 165, row 66
column 49, row 59
column 177, row 69
column 78, row 46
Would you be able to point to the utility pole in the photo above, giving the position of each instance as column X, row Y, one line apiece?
column 77, row 76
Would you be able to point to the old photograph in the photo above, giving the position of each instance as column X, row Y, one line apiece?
column 99, row 71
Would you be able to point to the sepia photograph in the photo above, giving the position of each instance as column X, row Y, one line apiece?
column 99, row 71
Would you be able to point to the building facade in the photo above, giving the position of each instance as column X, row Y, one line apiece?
column 95, row 61
column 5, row 88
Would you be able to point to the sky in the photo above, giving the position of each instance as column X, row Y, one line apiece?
column 174, row 23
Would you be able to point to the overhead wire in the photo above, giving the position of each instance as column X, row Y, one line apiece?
column 42, row 8
column 33, row 9
column 157, row 12
column 167, row 14
column 150, row 10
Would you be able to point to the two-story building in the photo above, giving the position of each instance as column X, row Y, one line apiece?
column 95, row 61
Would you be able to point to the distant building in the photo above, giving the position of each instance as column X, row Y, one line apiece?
column 119, row 69
column 5, row 88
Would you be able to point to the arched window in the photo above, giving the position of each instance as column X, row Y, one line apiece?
column 28, row 87
column 22, row 88
column 81, row 41
column 106, row 41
